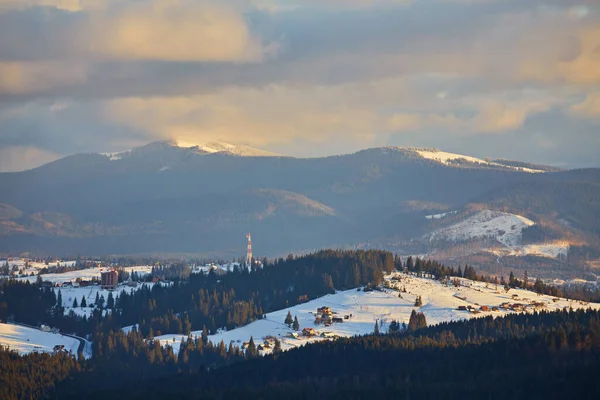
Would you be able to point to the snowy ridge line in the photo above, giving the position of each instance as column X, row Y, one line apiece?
column 447, row 158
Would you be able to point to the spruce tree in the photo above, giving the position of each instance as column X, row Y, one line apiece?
column 251, row 349
column 83, row 303
column 418, row 301
column 75, row 305
column 110, row 303
column 296, row 325
column 277, row 347
column 204, row 335
column 288, row 319
column 376, row 330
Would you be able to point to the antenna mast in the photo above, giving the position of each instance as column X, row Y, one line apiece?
column 249, row 250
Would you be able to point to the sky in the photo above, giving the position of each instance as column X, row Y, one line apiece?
column 516, row 79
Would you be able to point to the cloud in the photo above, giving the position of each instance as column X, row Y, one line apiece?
column 19, row 158
column 153, row 30
column 67, row 5
column 287, row 74
column 18, row 78
column 590, row 107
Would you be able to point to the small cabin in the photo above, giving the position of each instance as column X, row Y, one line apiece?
column 308, row 332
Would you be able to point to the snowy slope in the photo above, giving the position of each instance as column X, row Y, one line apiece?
column 504, row 227
column 33, row 266
column 85, row 274
column 69, row 294
column 208, row 148
column 235, row 149
column 447, row 159
column 440, row 303
column 25, row 340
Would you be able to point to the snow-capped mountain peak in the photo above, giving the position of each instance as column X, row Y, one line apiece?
column 217, row 146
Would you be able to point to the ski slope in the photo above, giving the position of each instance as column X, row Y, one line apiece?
column 440, row 303
column 26, row 340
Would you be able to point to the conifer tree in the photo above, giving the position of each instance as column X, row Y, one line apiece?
column 418, row 301
column 75, row 305
column 376, row 330
column 110, row 303
column 251, row 349
column 296, row 325
column 204, row 334
column 288, row 319
column 277, row 347
column 83, row 303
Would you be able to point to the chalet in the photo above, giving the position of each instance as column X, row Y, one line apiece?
column 308, row 332
column 462, row 308
column 260, row 347
column 328, row 335
column 484, row 308
column 495, row 308
column 293, row 335
column 337, row 320
column 245, row 345
column 324, row 311
column 346, row 317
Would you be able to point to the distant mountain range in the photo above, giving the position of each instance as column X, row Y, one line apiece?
column 162, row 198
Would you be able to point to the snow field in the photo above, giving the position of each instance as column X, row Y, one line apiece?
column 440, row 304
column 504, row 227
column 26, row 340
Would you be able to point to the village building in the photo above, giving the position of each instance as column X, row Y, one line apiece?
column 109, row 280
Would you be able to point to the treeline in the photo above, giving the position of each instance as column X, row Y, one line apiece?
column 232, row 300
column 33, row 376
column 539, row 356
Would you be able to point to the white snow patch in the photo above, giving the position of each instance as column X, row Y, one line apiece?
column 440, row 216
column 505, row 227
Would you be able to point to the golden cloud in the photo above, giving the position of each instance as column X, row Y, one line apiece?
column 169, row 30
column 590, row 107
column 18, row 78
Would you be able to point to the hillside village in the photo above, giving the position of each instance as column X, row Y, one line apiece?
column 357, row 311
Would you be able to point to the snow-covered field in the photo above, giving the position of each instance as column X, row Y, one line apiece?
column 85, row 274
column 440, row 303
column 551, row 250
column 25, row 340
column 27, row 267
column 446, row 158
